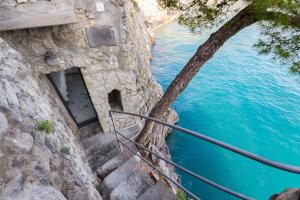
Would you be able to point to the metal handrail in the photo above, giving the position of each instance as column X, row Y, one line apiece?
column 278, row 165
column 289, row 168
column 148, row 162
column 114, row 126
column 162, row 173
column 229, row 191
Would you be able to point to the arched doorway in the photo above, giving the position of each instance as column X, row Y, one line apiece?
column 71, row 88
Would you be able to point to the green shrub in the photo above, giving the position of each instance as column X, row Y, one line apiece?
column 296, row 67
column 66, row 150
column 131, row 14
column 46, row 126
column 181, row 194
column 135, row 4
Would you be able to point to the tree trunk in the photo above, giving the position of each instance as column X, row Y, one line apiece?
column 206, row 51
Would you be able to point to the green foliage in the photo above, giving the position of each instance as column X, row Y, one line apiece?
column 296, row 67
column 282, row 42
column 46, row 126
column 169, row 4
column 181, row 194
column 198, row 14
column 66, row 150
column 135, row 4
column 280, row 27
column 132, row 14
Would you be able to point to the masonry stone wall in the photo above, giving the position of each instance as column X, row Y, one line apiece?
column 110, row 44
column 31, row 162
column 112, row 47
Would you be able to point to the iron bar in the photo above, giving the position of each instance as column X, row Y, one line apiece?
column 224, row 189
column 278, row 165
column 154, row 167
column 113, row 121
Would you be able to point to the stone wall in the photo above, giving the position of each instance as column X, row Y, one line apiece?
column 112, row 47
column 110, row 44
column 31, row 162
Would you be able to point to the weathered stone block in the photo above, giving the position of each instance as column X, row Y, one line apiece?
column 21, row 1
column 3, row 124
column 101, row 36
column 12, row 21
column 52, row 143
column 19, row 142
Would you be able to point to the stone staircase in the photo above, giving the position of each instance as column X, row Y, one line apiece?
column 122, row 174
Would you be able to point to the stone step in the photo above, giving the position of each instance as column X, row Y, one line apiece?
column 128, row 168
column 90, row 130
column 115, row 162
column 98, row 156
column 101, row 147
column 103, row 139
column 100, row 139
column 159, row 191
column 132, row 187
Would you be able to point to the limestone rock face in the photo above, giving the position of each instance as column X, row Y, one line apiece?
column 33, row 164
column 154, row 14
column 4, row 124
column 35, row 192
column 19, row 142
column 110, row 44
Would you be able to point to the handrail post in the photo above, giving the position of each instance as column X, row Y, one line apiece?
column 113, row 121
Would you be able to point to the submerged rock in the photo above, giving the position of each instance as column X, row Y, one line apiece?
column 288, row 194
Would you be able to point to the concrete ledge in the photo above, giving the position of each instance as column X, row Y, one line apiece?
column 38, row 20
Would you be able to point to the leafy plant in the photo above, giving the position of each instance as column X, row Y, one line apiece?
column 132, row 14
column 135, row 4
column 66, row 150
column 181, row 194
column 278, row 19
column 46, row 126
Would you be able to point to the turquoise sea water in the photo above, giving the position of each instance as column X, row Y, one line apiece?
column 239, row 97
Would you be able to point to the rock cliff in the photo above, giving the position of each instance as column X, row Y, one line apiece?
column 110, row 45
column 31, row 162
column 154, row 14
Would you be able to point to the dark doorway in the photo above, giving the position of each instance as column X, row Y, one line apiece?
column 115, row 100
column 72, row 90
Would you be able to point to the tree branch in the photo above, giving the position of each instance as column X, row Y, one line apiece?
column 244, row 18
column 281, row 18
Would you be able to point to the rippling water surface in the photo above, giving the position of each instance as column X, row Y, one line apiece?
column 239, row 97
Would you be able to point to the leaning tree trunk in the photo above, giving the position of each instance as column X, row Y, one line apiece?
column 206, row 51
